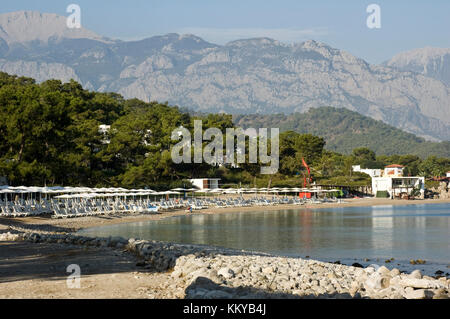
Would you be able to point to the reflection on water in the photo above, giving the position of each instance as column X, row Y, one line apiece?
column 403, row 232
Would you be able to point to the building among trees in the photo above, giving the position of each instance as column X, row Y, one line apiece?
column 205, row 183
column 393, row 184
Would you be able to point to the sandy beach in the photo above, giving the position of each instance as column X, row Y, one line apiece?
column 30, row 270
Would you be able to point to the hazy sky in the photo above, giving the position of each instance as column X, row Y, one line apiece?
column 405, row 24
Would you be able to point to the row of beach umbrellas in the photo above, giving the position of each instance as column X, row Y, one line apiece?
column 86, row 192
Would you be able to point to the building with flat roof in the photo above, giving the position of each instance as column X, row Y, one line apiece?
column 205, row 183
column 369, row 171
column 395, row 184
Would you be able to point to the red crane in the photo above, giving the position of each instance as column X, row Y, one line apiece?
column 307, row 181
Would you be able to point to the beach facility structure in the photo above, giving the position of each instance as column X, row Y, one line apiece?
column 369, row 171
column 205, row 183
column 392, row 182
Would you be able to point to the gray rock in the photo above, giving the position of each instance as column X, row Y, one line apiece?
column 383, row 271
column 267, row 270
column 416, row 274
column 416, row 294
column 226, row 273
column 377, row 281
column 394, row 272
column 420, row 283
column 217, row 294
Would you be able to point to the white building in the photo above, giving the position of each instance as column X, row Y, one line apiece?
column 448, row 174
column 393, row 181
column 104, row 129
column 368, row 171
column 203, row 183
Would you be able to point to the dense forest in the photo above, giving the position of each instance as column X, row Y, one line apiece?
column 344, row 130
column 49, row 135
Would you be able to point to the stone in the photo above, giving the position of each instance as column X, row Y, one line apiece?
column 331, row 275
column 226, row 273
column 357, row 265
column 267, row 270
column 217, row 294
column 416, row 274
column 416, row 294
column 369, row 270
column 420, row 283
column 394, row 272
column 441, row 294
column 377, row 281
column 383, row 270
column 374, row 266
column 417, row 262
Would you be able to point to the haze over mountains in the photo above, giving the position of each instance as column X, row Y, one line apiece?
column 410, row 92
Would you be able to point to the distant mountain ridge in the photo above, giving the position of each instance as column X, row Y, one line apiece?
column 432, row 62
column 345, row 130
column 244, row 76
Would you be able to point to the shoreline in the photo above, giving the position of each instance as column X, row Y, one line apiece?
column 35, row 252
column 73, row 225
column 175, row 271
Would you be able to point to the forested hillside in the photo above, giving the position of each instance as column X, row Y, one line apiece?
column 50, row 135
column 345, row 130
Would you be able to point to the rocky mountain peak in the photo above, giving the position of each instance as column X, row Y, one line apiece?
column 26, row 26
column 255, row 42
column 432, row 62
column 258, row 75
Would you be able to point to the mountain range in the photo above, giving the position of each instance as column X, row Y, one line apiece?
column 411, row 91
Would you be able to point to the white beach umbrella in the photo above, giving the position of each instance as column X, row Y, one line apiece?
column 67, row 196
column 205, row 190
column 7, row 191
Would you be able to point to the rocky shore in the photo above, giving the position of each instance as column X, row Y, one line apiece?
column 208, row 272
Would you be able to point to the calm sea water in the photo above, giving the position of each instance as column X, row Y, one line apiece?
column 402, row 232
